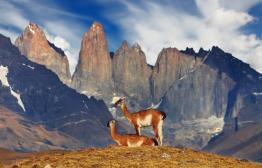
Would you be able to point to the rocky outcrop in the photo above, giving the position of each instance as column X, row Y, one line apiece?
column 131, row 74
column 34, row 45
column 38, row 95
column 196, row 105
column 93, row 74
column 171, row 66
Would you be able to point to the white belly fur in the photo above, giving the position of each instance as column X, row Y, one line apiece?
column 117, row 142
column 147, row 121
column 136, row 144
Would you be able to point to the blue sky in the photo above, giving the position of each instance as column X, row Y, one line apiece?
column 235, row 25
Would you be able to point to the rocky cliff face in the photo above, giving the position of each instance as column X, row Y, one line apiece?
column 93, row 74
column 201, row 92
column 171, row 66
column 233, row 84
column 39, row 96
column 131, row 74
column 33, row 44
column 241, row 135
column 195, row 99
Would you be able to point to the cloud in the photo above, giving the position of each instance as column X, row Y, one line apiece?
column 66, row 47
column 11, row 16
column 239, row 5
column 218, row 22
column 61, row 43
column 66, row 34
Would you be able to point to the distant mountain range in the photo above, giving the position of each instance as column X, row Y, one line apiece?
column 211, row 98
column 49, row 114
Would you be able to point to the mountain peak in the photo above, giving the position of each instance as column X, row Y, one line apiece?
column 124, row 45
column 4, row 40
column 33, row 44
column 5, row 43
column 34, row 29
column 96, row 26
column 217, row 49
column 33, row 25
column 136, row 47
column 189, row 51
column 94, row 61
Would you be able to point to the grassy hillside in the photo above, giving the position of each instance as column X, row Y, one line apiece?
column 130, row 157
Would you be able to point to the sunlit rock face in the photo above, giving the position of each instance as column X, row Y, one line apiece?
column 93, row 74
column 33, row 44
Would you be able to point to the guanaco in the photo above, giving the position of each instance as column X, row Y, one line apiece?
column 144, row 118
column 130, row 140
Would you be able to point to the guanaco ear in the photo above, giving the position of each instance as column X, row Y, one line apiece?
column 117, row 102
column 123, row 98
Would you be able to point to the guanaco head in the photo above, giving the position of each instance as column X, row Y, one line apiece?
column 111, row 123
column 120, row 101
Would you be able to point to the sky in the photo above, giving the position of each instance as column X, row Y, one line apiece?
column 235, row 25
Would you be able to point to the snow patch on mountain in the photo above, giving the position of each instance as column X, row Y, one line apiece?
column 3, row 75
column 190, row 130
column 18, row 97
column 31, row 67
column 31, row 30
column 85, row 104
column 155, row 106
column 4, row 80
column 257, row 94
column 212, row 124
column 72, row 123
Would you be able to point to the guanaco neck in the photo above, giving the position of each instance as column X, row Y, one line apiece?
column 125, row 111
column 113, row 131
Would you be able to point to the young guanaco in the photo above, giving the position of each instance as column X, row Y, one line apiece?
column 130, row 140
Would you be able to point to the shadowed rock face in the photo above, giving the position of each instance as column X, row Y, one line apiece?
column 246, row 142
column 131, row 74
column 201, row 93
column 48, row 101
column 34, row 45
column 93, row 74
column 218, row 85
column 171, row 66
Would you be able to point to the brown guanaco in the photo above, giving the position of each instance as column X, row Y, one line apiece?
column 144, row 118
column 130, row 140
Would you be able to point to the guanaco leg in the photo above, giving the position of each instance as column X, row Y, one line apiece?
column 137, row 128
column 155, row 128
column 160, row 131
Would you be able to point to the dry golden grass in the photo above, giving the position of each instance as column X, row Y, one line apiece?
column 114, row 156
